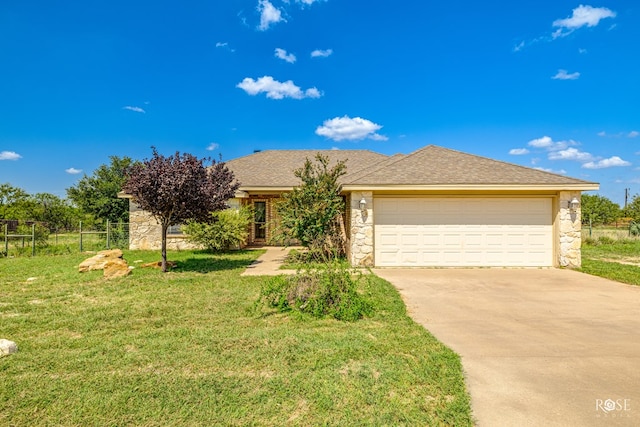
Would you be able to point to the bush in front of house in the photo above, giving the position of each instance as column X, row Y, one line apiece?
column 228, row 229
column 329, row 291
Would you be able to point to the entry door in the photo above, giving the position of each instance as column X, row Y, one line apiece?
column 260, row 220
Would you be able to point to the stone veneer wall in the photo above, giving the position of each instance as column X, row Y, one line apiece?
column 146, row 233
column 569, row 231
column 361, row 238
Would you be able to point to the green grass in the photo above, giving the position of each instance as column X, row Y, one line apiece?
column 183, row 348
column 616, row 260
column 624, row 273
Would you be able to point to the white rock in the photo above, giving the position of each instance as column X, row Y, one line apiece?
column 7, row 347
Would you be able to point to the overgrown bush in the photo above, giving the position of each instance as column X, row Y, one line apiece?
column 228, row 229
column 634, row 228
column 330, row 291
column 312, row 213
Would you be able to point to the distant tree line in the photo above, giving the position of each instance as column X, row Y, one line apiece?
column 93, row 200
column 599, row 210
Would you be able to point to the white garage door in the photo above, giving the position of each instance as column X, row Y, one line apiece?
column 461, row 232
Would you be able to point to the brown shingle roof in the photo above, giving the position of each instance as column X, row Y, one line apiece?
column 433, row 165
column 430, row 165
column 274, row 168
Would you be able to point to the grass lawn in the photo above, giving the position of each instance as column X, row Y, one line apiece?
column 616, row 260
column 183, row 348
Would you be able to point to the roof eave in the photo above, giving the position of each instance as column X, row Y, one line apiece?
column 265, row 189
column 586, row 186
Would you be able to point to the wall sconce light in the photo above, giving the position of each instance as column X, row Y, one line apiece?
column 574, row 204
column 363, row 204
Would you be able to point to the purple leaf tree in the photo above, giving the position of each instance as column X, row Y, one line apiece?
column 179, row 188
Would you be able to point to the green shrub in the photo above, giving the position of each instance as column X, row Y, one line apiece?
column 228, row 229
column 634, row 228
column 330, row 291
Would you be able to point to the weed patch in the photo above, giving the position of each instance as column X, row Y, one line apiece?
column 330, row 290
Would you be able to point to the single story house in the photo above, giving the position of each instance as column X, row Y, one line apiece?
column 435, row 207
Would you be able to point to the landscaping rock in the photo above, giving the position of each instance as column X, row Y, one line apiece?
column 7, row 347
column 98, row 261
column 116, row 268
column 158, row 264
column 110, row 261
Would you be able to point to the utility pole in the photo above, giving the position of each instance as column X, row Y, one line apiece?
column 626, row 197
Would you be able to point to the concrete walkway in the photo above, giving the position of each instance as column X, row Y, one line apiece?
column 539, row 347
column 269, row 263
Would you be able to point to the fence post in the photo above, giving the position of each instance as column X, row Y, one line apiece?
column 108, row 234
column 6, row 240
column 80, row 236
column 33, row 239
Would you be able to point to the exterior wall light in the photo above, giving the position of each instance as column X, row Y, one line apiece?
column 574, row 204
column 363, row 204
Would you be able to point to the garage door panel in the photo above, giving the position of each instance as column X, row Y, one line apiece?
column 412, row 239
column 463, row 232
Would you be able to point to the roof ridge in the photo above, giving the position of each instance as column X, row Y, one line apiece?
column 387, row 162
column 504, row 162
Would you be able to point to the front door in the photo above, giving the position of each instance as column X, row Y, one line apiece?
column 260, row 221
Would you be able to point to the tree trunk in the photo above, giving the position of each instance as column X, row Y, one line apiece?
column 164, row 247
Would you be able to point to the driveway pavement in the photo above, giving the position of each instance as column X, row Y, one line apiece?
column 539, row 347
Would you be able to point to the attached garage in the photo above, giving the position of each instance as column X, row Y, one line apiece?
column 463, row 231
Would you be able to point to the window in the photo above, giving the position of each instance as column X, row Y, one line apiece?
column 175, row 230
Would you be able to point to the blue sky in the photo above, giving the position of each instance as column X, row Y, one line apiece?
column 547, row 84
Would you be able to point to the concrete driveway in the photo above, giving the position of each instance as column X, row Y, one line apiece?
column 539, row 347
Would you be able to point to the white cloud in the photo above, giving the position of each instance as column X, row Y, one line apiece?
column 606, row 163
column 560, row 172
column 543, row 142
column 319, row 53
column 570, row 154
column 269, row 15
column 275, row 89
column 581, row 16
column 346, row 128
column 519, row 46
column 225, row 46
column 602, row 133
column 584, row 15
column 282, row 54
column 564, row 75
column 550, row 145
column 73, row 171
column 518, row 151
column 212, row 146
column 136, row 109
column 307, row 2
column 9, row 155
column 313, row 93
column 633, row 134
